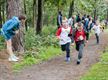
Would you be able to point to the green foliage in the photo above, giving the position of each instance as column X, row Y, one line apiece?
column 50, row 14
column 48, row 53
column 104, row 59
column 27, row 61
column 99, row 71
column 2, row 41
column 48, row 30
column 47, row 38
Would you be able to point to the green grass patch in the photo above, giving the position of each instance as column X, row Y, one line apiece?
column 49, row 53
column 25, row 62
column 2, row 42
column 106, row 30
column 98, row 71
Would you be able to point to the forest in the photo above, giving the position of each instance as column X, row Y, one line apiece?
column 36, row 41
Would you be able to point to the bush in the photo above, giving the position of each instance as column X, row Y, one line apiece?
column 48, row 30
column 2, row 41
column 47, row 38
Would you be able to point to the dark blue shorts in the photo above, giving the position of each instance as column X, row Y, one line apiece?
column 7, row 36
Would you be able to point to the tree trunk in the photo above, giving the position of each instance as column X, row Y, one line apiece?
column 34, row 12
column 107, row 14
column 95, row 16
column 3, row 13
column 40, row 15
column 26, row 28
column 71, row 9
column 14, row 8
column 0, row 17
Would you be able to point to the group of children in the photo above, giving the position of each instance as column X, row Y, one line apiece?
column 71, row 32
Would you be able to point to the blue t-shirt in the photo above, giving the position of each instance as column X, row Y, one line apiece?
column 9, row 27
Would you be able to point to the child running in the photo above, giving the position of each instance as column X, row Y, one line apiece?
column 97, row 31
column 79, row 39
column 63, row 35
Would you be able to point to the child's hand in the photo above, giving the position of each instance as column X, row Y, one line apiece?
column 86, row 41
column 58, row 37
column 16, row 32
column 72, row 44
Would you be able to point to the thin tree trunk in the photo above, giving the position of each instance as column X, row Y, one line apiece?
column 25, row 14
column 3, row 12
column 0, row 17
column 95, row 14
column 71, row 9
column 95, row 11
column 34, row 12
column 40, row 15
column 15, row 9
column 107, row 13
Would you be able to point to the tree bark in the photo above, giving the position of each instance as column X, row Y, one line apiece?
column 71, row 9
column 3, row 13
column 107, row 14
column 0, row 17
column 95, row 16
column 34, row 12
column 14, row 8
column 26, row 28
column 40, row 15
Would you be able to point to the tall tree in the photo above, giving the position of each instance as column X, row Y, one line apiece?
column 25, row 11
column 71, row 9
column 106, row 9
column 40, row 16
column 34, row 12
column 0, row 18
column 95, row 12
column 14, row 8
column 2, row 2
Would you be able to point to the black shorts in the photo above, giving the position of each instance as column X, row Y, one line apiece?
column 78, row 43
column 63, row 47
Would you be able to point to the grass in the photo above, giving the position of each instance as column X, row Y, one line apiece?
column 98, row 71
column 49, row 53
column 2, row 42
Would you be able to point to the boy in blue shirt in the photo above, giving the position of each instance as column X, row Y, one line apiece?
column 8, row 30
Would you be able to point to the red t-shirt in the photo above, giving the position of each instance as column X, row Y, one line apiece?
column 78, row 34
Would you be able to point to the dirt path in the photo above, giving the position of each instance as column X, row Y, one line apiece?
column 5, row 66
column 58, row 69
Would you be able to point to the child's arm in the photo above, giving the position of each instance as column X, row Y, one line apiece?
column 58, row 33
column 17, row 31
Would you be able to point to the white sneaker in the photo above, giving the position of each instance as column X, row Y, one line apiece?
column 15, row 57
column 67, row 59
column 12, row 59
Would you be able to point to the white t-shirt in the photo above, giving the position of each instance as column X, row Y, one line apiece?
column 64, row 36
column 97, row 29
column 70, row 21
